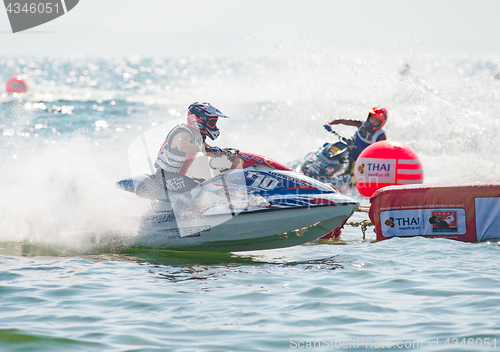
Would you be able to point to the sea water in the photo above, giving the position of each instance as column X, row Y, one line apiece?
column 65, row 143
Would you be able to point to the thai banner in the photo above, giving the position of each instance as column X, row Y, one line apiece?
column 464, row 212
column 423, row 222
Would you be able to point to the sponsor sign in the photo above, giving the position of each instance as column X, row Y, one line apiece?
column 444, row 221
column 373, row 170
column 423, row 222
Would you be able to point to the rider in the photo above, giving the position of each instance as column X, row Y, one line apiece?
column 182, row 143
column 369, row 131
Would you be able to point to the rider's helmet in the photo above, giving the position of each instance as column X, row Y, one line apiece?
column 203, row 117
column 380, row 113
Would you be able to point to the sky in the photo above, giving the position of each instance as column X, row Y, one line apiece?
column 165, row 27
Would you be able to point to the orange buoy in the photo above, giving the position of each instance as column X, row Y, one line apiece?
column 16, row 85
column 386, row 163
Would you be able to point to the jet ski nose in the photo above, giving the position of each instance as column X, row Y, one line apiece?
column 126, row 185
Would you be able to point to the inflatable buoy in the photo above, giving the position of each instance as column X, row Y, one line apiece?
column 386, row 163
column 16, row 85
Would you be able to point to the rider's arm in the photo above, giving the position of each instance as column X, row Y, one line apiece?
column 382, row 137
column 355, row 123
column 182, row 141
column 184, row 145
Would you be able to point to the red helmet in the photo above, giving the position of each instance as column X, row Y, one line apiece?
column 203, row 117
column 380, row 113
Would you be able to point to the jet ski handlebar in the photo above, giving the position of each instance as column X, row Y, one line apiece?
column 230, row 153
column 343, row 139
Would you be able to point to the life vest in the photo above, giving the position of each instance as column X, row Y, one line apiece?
column 363, row 140
column 172, row 159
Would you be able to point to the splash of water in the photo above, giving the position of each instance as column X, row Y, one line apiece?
column 58, row 195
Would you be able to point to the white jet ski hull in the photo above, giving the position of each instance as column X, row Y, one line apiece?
column 248, row 231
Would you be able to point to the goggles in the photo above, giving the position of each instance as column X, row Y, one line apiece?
column 212, row 122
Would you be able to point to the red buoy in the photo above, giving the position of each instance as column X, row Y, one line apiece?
column 386, row 163
column 16, row 85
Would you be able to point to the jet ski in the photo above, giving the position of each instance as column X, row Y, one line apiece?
column 329, row 164
column 251, row 203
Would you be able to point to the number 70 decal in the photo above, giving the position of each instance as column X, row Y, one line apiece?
column 262, row 180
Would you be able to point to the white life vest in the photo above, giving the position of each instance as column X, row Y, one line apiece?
column 172, row 159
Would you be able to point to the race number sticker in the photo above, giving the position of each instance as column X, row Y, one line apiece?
column 262, row 180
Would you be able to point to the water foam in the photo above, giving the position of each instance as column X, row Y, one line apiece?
column 59, row 195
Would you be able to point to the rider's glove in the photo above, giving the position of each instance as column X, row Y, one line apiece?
column 349, row 142
column 213, row 151
column 328, row 128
